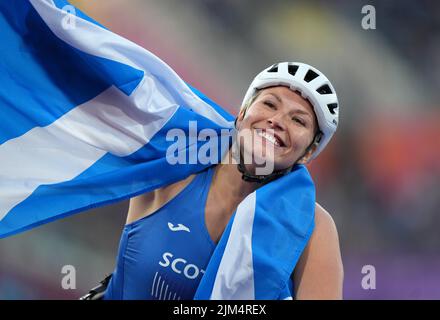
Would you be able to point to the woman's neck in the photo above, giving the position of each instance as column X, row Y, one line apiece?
column 228, row 183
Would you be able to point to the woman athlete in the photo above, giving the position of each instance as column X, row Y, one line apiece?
column 171, row 232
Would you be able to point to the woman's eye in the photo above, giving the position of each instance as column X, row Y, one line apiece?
column 269, row 104
column 300, row 121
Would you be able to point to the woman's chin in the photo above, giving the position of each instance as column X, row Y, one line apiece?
column 259, row 165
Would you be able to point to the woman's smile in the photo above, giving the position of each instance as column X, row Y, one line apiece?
column 271, row 137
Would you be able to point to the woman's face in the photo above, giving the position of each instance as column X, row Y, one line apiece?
column 281, row 125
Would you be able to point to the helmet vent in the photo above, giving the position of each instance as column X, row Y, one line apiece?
column 325, row 89
column 332, row 107
column 274, row 68
column 292, row 69
column 310, row 75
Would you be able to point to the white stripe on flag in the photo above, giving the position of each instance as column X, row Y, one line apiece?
column 64, row 149
column 235, row 275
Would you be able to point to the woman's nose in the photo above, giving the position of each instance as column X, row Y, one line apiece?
column 276, row 123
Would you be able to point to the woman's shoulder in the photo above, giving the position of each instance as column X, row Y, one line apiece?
column 323, row 219
column 325, row 235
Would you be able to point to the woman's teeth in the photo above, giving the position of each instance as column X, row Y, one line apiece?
column 269, row 137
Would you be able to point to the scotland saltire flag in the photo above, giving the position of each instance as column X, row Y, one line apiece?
column 84, row 118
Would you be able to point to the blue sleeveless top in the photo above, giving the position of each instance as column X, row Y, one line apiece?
column 163, row 256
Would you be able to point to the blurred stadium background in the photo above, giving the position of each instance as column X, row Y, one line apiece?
column 379, row 177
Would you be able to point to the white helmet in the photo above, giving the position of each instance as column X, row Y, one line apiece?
column 313, row 86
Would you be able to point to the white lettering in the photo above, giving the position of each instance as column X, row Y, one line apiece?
column 369, row 20
column 181, row 266
column 175, row 262
column 369, row 280
column 165, row 257
column 69, row 21
column 69, row 280
column 187, row 270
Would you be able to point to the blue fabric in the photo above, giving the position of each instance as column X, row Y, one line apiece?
column 158, row 261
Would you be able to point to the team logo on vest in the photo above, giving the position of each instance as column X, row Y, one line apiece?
column 179, row 227
column 180, row 266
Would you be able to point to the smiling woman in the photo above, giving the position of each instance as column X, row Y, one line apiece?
column 284, row 119
column 290, row 113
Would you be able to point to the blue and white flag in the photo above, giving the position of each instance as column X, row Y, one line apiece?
column 84, row 118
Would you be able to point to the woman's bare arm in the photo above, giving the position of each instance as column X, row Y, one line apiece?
column 319, row 273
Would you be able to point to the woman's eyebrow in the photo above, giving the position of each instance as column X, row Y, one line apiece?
column 300, row 111
column 276, row 96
